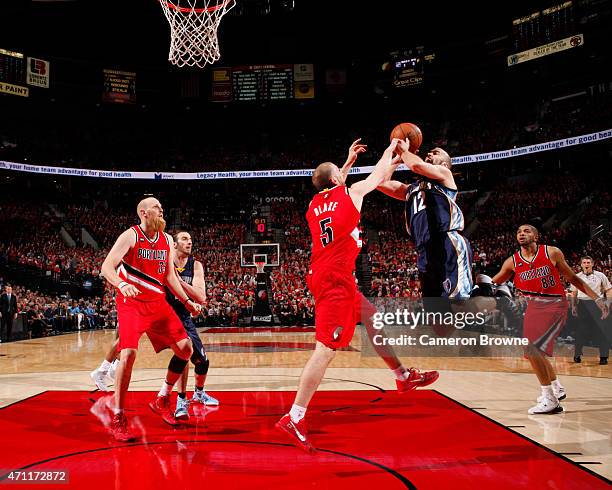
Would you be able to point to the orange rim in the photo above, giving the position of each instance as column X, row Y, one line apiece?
column 187, row 10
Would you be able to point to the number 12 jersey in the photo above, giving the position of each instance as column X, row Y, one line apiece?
column 431, row 209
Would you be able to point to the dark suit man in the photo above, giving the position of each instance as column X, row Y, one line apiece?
column 8, row 310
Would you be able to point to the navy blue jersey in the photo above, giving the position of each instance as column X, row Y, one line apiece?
column 186, row 274
column 431, row 209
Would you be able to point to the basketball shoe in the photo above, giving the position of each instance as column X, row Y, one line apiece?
column 182, row 409
column 546, row 405
column 98, row 378
column 119, row 428
column 297, row 431
column 416, row 379
column 200, row 396
column 161, row 406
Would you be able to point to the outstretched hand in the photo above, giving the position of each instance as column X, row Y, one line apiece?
column 403, row 146
column 392, row 153
column 355, row 150
column 392, row 148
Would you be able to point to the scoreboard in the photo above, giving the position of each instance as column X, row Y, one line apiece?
column 12, row 67
column 13, row 73
column 408, row 72
column 262, row 83
column 545, row 32
column 119, row 86
column 545, row 26
column 17, row 71
column 259, row 226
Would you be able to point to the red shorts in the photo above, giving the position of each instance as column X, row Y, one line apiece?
column 155, row 318
column 544, row 320
column 339, row 306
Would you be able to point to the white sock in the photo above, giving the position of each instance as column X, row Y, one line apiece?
column 297, row 413
column 105, row 366
column 401, row 373
column 556, row 385
column 166, row 389
column 115, row 362
column 547, row 391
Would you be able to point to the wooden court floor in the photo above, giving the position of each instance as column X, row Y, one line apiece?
column 502, row 388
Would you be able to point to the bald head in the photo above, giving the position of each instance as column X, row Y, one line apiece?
column 323, row 175
column 145, row 204
column 151, row 214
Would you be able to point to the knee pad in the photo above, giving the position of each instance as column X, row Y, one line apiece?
column 177, row 365
column 201, row 368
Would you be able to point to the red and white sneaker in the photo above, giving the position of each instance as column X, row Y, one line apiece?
column 297, row 431
column 119, row 428
column 161, row 406
column 416, row 379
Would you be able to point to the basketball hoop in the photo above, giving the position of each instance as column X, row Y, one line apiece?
column 193, row 30
column 260, row 266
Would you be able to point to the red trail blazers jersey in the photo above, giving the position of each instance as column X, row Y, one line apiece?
column 145, row 265
column 333, row 221
column 538, row 277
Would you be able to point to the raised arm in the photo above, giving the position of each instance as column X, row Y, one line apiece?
column 414, row 163
column 557, row 258
column 126, row 240
column 505, row 273
column 383, row 169
column 394, row 188
column 354, row 151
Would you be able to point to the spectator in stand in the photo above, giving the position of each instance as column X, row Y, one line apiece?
column 91, row 315
column 37, row 323
column 75, row 315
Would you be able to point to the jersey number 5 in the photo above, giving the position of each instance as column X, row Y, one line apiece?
column 327, row 233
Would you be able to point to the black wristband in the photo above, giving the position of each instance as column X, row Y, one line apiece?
column 185, row 302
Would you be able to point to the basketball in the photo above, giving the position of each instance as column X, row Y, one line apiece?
column 410, row 131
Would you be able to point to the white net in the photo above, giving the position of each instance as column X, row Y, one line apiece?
column 193, row 30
